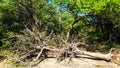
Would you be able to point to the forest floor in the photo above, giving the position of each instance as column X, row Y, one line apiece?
column 9, row 62
column 75, row 63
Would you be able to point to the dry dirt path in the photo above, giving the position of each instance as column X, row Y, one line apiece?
column 76, row 63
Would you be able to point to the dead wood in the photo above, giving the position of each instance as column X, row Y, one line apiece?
column 76, row 52
column 94, row 55
column 38, row 55
column 71, row 50
column 41, row 47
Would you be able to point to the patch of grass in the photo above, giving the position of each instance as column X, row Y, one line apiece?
column 5, row 52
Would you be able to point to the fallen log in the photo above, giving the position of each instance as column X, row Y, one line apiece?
column 73, row 50
column 113, row 54
column 91, row 54
column 108, row 57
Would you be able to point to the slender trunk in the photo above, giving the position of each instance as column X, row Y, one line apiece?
column 60, row 13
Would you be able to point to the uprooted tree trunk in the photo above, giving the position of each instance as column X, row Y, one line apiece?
column 72, row 51
column 91, row 54
column 111, row 56
column 40, row 48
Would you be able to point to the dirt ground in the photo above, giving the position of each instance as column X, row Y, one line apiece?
column 52, row 63
column 77, row 63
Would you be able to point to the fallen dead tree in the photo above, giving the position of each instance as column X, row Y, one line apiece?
column 72, row 51
column 111, row 56
column 38, row 48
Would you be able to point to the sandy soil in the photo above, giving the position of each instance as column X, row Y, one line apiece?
column 75, row 63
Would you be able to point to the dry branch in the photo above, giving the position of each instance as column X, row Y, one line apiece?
column 38, row 55
column 111, row 56
column 70, row 49
column 95, row 55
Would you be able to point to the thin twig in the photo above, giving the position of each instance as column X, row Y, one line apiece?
column 39, row 54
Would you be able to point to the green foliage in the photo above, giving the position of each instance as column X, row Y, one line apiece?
column 6, row 44
column 7, row 15
column 66, row 20
column 96, row 21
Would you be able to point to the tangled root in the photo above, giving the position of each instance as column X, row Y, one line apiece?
column 115, row 56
